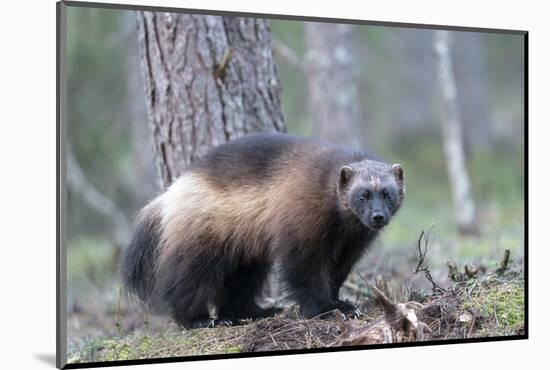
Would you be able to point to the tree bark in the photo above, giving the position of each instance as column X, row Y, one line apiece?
column 208, row 80
column 452, row 138
column 332, row 82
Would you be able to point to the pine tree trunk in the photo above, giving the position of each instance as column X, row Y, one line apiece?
column 208, row 80
column 332, row 82
column 452, row 138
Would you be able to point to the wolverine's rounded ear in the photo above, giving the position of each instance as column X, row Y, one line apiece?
column 346, row 173
column 398, row 172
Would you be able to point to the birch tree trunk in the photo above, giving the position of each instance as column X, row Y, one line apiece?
column 452, row 138
column 208, row 80
column 332, row 82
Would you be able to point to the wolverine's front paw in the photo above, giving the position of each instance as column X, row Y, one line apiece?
column 348, row 309
column 214, row 323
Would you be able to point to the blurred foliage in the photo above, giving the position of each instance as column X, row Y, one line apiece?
column 293, row 80
column 99, row 126
column 90, row 262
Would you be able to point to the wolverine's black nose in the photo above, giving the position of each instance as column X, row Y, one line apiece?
column 378, row 218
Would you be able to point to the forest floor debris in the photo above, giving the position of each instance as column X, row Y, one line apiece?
column 484, row 305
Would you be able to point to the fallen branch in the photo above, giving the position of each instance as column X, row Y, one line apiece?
column 399, row 324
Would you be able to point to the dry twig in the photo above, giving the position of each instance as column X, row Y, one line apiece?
column 423, row 246
column 504, row 263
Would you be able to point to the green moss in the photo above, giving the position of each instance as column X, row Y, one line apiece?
column 169, row 343
column 501, row 306
column 508, row 303
column 234, row 349
column 145, row 344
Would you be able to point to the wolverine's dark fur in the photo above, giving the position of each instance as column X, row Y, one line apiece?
column 212, row 238
column 137, row 269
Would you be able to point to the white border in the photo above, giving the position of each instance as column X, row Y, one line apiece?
column 28, row 181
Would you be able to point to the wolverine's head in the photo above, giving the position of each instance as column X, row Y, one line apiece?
column 372, row 190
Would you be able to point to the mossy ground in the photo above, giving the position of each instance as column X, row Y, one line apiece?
column 500, row 304
column 489, row 306
column 168, row 343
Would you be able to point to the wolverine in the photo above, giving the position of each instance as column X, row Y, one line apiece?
column 208, row 243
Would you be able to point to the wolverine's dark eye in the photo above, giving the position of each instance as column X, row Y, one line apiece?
column 361, row 198
column 386, row 194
